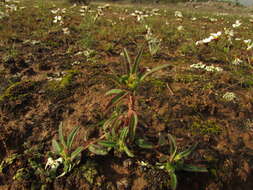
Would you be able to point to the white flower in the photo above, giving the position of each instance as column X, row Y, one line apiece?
column 237, row 24
column 202, row 66
column 216, row 35
column 180, row 28
column 57, row 19
column 178, row 14
column 55, row 11
column 66, row 31
column 229, row 32
column 237, row 61
column 213, row 19
column 199, row 65
column 194, row 18
column 213, row 69
column 249, row 44
column 229, row 96
column 53, row 164
column 63, row 10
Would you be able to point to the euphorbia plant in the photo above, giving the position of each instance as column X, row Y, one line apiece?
column 124, row 94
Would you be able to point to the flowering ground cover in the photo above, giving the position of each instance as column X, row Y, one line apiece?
column 178, row 116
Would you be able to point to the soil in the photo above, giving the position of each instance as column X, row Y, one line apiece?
column 45, row 81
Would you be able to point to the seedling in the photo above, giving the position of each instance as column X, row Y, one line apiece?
column 175, row 162
column 63, row 149
column 120, row 128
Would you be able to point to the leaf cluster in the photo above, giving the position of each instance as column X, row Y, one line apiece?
column 175, row 161
column 63, row 149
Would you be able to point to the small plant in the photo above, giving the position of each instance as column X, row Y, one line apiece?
column 175, row 162
column 154, row 43
column 120, row 128
column 63, row 149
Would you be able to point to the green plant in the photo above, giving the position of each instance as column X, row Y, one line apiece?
column 63, row 149
column 120, row 128
column 175, row 162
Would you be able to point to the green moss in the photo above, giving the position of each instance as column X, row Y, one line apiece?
column 8, row 161
column 22, row 174
column 205, row 127
column 89, row 171
column 187, row 78
column 61, row 88
column 18, row 90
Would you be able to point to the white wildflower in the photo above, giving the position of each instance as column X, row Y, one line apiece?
column 57, row 19
column 237, row 24
column 199, row 65
column 53, row 164
column 180, row 28
column 237, row 61
column 213, row 69
column 202, row 66
column 66, row 31
column 216, row 35
column 249, row 44
column 55, row 11
column 229, row 96
column 178, row 14
column 213, row 19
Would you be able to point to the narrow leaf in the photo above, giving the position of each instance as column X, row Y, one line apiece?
column 116, row 99
column 109, row 144
column 173, row 146
column 127, row 61
column 123, row 133
column 153, row 70
column 185, row 153
column 133, row 125
column 61, row 135
column 71, row 137
column 173, row 181
column 137, row 61
column 114, row 91
column 98, row 149
column 191, row 168
column 128, row 152
column 142, row 143
column 57, row 147
column 76, row 152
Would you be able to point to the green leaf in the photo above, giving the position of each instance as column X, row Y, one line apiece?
column 123, row 133
column 61, row 136
column 98, row 149
column 127, row 61
column 57, row 147
column 185, row 153
column 173, row 147
column 76, row 153
column 191, row 168
column 71, row 137
column 116, row 99
column 114, row 91
column 133, row 125
column 128, row 152
column 173, row 180
column 153, row 70
column 137, row 61
column 109, row 121
column 109, row 144
column 142, row 143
